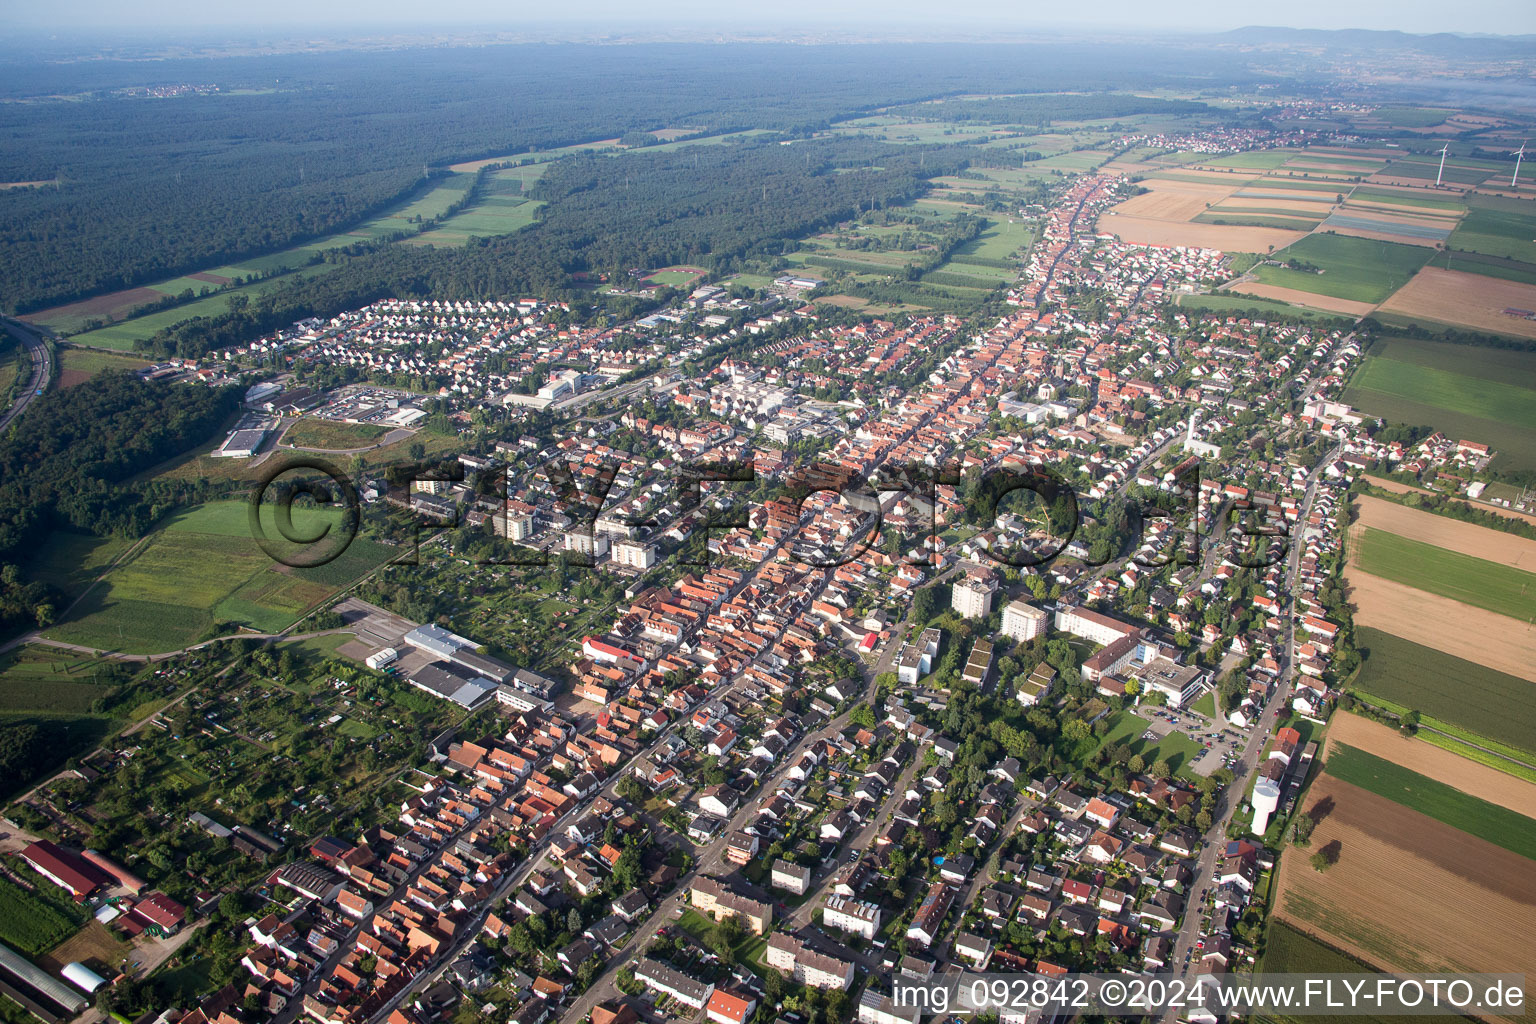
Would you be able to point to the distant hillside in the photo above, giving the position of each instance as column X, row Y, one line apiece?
column 1443, row 44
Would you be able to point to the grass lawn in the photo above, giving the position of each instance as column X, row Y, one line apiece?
column 1178, row 749
column 1357, row 269
column 1488, row 703
column 1481, row 396
column 333, row 435
column 1474, row 581
column 1206, row 705
column 1470, row 814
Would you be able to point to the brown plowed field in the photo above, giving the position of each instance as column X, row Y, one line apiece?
column 1174, row 200
column 1451, row 534
column 1471, row 299
column 1435, row 762
column 1472, row 634
column 1226, row 237
column 1408, row 892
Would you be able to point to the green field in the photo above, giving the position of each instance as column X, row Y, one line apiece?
column 1357, row 269
column 82, row 360
column 1474, row 816
column 1498, row 227
column 1288, row 951
column 1462, row 693
column 1488, row 266
column 70, row 561
column 1255, row 220
column 121, row 336
column 1473, row 581
column 333, row 435
column 28, row 923
column 1418, row 381
column 203, row 567
column 39, row 680
column 1366, row 193
column 1510, row 366
column 1223, row 304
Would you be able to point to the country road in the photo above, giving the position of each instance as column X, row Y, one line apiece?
column 41, row 375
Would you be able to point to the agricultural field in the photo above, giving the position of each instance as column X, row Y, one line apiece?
column 332, row 435
column 1473, row 581
column 1498, row 226
column 1480, row 396
column 1370, row 903
column 1494, row 823
column 44, row 681
column 1228, row 302
column 1289, row 951
column 80, row 364
column 1444, row 532
column 30, row 923
column 1354, row 269
column 1464, row 391
column 1494, row 303
column 202, row 568
column 1460, row 630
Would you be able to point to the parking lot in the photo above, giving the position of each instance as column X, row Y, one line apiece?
column 1221, row 742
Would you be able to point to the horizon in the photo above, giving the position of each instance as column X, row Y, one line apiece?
column 974, row 18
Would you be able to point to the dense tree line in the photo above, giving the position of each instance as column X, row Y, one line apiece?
column 297, row 146
column 714, row 206
column 65, row 460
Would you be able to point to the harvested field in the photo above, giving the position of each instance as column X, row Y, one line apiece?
column 107, row 306
column 1273, row 203
column 1376, row 236
column 1301, row 298
column 1174, row 201
column 1471, row 299
column 1372, row 902
column 1401, row 488
column 1472, row 634
column 1435, row 762
column 1226, row 237
column 1451, row 534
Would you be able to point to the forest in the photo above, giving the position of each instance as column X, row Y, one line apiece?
column 712, row 206
column 294, row 147
column 65, row 462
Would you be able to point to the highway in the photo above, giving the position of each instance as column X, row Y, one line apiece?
column 41, row 376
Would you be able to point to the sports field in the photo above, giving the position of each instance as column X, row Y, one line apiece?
column 1473, row 581
column 202, row 567
column 1356, row 269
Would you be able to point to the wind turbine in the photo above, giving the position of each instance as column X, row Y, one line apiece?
column 1443, row 150
column 1518, row 157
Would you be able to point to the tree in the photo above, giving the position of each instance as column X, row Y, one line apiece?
column 573, row 922
column 1161, row 769
column 1320, row 861
column 1301, row 829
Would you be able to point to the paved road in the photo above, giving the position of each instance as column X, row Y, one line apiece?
column 1214, row 841
column 40, row 377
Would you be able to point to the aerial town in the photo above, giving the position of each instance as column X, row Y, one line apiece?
column 758, row 648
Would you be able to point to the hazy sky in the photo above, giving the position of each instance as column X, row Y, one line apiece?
column 1506, row 17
